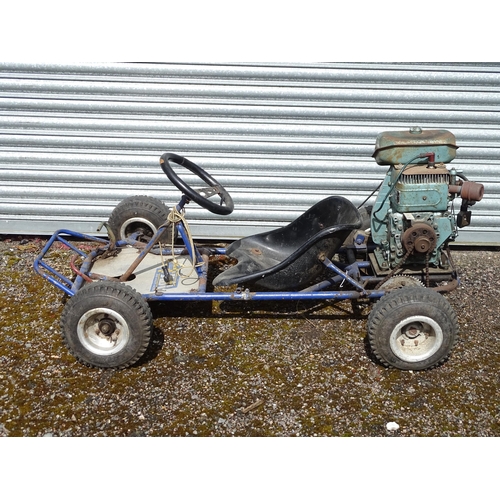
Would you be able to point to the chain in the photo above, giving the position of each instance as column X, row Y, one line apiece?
column 427, row 255
column 397, row 268
column 401, row 263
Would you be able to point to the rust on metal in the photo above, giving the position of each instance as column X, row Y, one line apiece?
column 421, row 237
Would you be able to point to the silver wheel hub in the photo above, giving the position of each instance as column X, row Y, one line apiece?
column 103, row 331
column 416, row 338
column 136, row 224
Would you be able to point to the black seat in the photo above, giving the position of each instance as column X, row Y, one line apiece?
column 288, row 258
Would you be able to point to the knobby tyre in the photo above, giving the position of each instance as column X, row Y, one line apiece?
column 107, row 325
column 139, row 213
column 412, row 328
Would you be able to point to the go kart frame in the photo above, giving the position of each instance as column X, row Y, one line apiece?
column 149, row 256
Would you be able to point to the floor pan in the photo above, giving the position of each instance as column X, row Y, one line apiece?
column 149, row 277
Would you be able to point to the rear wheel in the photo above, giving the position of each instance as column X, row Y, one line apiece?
column 143, row 214
column 107, row 325
column 399, row 282
column 412, row 328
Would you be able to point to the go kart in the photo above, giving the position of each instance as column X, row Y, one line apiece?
column 334, row 251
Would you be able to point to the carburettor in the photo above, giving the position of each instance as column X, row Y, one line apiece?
column 413, row 218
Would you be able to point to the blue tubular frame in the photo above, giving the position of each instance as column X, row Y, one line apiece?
column 350, row 273
column 247, row 295
column 312, row 293
column 55, row 277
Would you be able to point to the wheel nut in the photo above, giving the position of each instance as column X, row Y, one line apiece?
column 107, row 327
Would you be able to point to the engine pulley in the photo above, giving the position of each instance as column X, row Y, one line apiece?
column 420, row 238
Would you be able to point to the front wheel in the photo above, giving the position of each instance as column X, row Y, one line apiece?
column 107, row 325
column 412, row 328
column 139, row 214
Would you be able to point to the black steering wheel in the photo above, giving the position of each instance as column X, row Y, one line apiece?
column 200, row 196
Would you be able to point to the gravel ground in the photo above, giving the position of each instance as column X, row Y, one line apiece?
column 292, row 370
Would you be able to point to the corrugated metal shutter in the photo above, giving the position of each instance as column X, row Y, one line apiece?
column 77, row 139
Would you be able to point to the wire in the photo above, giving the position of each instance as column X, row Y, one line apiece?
column 174, row 217
column 370, row 195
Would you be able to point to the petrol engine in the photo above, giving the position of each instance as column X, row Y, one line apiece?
column 414, row 218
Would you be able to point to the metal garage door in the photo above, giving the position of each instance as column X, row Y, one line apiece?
column 77, row 139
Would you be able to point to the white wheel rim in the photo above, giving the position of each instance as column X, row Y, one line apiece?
column 416, row 338
column 103, row 331
column 138, row 221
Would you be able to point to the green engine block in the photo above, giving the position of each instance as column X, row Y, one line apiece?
column 412, row 217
